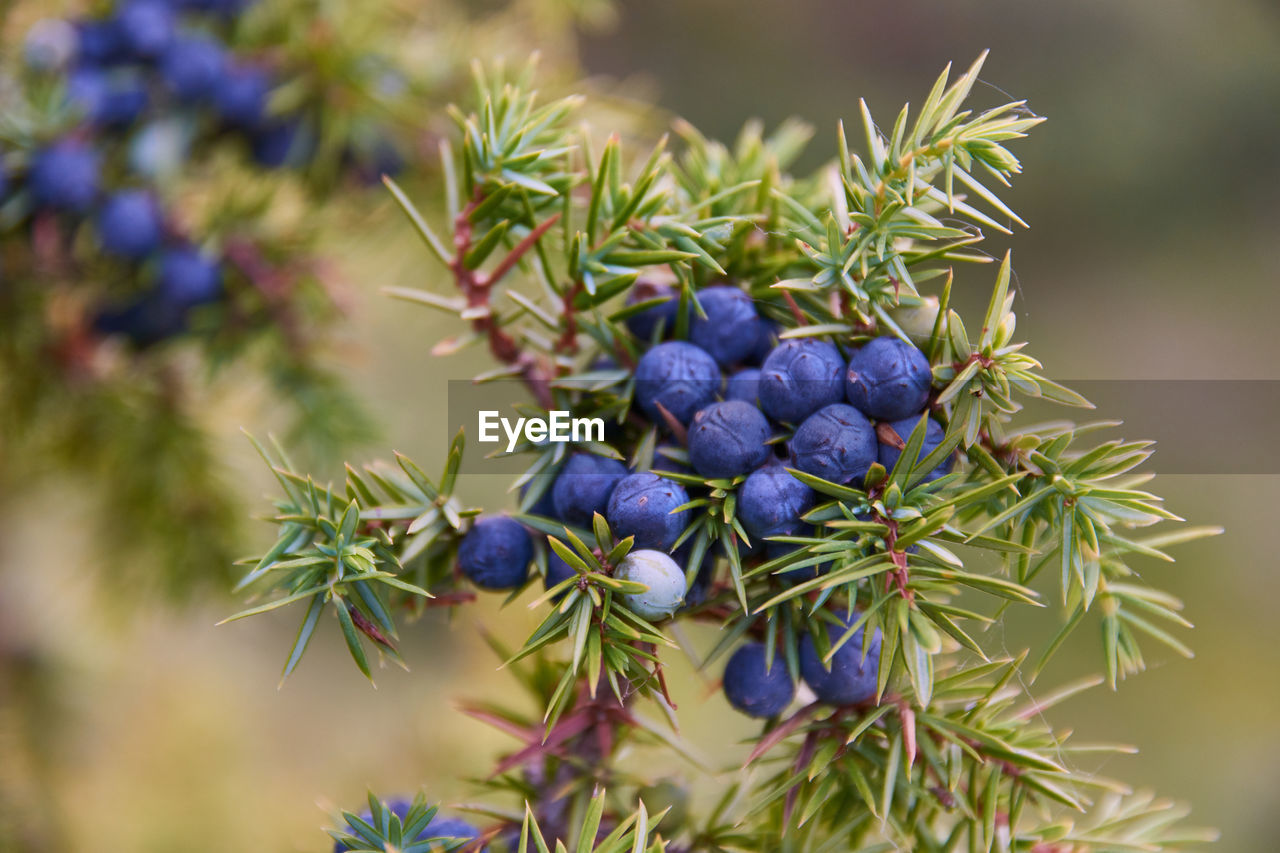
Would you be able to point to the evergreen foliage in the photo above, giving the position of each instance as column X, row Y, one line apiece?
column 169, row 173
column 917, row 730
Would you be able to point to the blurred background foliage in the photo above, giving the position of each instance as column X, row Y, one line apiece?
column 1150, row 195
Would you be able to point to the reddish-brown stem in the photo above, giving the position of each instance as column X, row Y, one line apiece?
column 900, row 574
column 513, row 257
column 794, row 306
column 569, row 337
column 476, row 287
column 987, row 363
column 673, row 424
column 369, row 629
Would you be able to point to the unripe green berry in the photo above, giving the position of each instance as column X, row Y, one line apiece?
column 664, row 579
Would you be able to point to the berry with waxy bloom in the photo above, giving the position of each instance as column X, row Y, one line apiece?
column 771, row 501
column 728, row 439
column 242, row 98
column 754, row 688
column 799, row 377
column 729, row 330
column 106, row 99
column 129, row 224
column 146, row 27
column 644, row 323
column 888, row 379
column 495, row 553
column 851, row 680
column 194, row 67
column 663, row 579
column 836, row 443
column 583, row 486
column 642, row 505
column 766, row 339
column 188, row 277
column 677, row 376
column 65, row 176
column 744, row 385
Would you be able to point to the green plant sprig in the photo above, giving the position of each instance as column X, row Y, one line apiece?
column 547, row 240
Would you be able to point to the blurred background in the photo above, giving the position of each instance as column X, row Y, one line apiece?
column 1150, row 192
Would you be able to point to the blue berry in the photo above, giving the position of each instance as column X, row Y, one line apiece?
column 771, row 502
column 745, row 386
column 106, row 100
column 146, row 321
column 643, row 323
column 799, row 377
column 727, row 439
column 189, row 278
column 933, row 435
column 146, row 27
column 835, row 443
column 851, row 679
column 65, row 176
column 87, row 90
column 583, row 487
column 129, row 224
column 752, row 688
column 641, row 506
column 730, row 330
column 679, row 377
column 99, row 42
column 193, row 67
column 185, row 279
column 242, row 97
column 495, row 553
column 888, row 379
column 127, row 100
column 284, row 142
column 766, row 339
column 664, row 579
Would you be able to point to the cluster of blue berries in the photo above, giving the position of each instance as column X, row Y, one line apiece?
column 748, row 406
column 497, row 551
column 761, row 690
column 731, row 420
column 736, row 425
column 142, row 80
column 149, row 58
